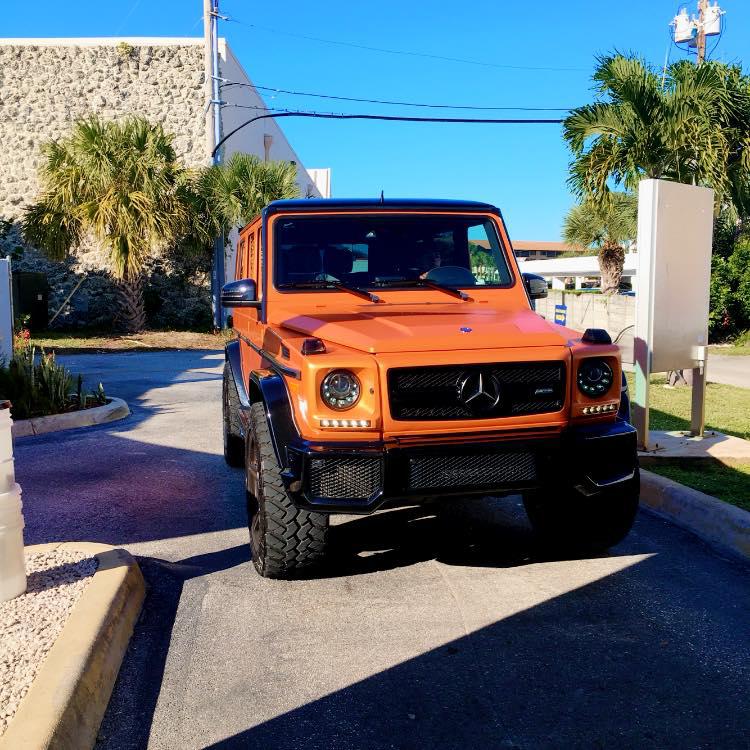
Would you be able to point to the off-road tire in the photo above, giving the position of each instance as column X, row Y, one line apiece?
column 284, row 539
column 572, row 523
column 234, row 444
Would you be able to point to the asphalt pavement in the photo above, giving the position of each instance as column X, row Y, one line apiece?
column 728, row 369
column 425, row 629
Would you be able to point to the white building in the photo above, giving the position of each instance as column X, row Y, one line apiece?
column 559, row 270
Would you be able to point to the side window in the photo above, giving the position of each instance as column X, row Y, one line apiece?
column 252, row 257
column 241, row 260
column 486, row 256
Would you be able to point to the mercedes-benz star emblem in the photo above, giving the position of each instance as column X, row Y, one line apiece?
column 480, row 391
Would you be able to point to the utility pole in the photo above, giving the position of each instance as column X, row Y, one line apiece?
column 211, row 37
column 694, row 31
column 700, row 42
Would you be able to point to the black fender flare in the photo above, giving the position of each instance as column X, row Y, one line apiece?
column 270, row 389
column 233, row 357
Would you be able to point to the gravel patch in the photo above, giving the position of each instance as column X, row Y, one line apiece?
column 30, row 624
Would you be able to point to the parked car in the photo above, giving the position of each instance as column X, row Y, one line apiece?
column 387, row 354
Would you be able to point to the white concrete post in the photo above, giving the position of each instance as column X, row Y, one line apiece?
column 12, row 566
column 6, row 312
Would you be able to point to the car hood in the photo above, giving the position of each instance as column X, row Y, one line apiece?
column 405, row 330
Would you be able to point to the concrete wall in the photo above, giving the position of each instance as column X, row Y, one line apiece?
column 47, row 84
column 615, row 313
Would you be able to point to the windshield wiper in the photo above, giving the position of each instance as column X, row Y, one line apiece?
column 447, row 289
column 431, row 285
column 356, row 291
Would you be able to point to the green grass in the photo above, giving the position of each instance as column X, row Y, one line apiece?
column 727, row 411
column 727, row 407
column 730, row 483
column 731, row 350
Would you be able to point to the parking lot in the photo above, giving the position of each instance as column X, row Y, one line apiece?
column 428, row 627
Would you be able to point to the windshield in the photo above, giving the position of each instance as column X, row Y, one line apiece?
column 403, row 250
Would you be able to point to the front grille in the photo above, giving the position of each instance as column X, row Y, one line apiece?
column 346, row 477
column 474, row 470
column 430, row 393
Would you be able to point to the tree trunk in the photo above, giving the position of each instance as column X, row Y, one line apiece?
column 131, row 317
column 611, row 262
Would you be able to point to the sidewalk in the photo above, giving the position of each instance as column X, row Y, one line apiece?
column 716, row 445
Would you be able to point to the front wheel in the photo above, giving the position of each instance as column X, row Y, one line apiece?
column 569, row 521
column 284, row 539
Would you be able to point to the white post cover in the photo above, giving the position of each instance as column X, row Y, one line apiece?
column 12, row 565
column 675, row 232
column 6, row 312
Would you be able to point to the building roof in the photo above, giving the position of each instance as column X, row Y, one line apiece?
column 555, row 247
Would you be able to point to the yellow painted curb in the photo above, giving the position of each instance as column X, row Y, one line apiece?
column 67, row 700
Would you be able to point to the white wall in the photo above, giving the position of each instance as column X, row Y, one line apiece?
column 6, row 313
column 250, row 140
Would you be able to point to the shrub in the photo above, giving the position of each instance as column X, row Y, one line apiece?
column 730, row 292
column 38, row 386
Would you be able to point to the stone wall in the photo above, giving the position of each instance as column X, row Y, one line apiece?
column 44, row 89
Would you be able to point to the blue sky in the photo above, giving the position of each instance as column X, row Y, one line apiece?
column 521, row 168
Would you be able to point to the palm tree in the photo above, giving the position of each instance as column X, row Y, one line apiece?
column 120, row 182
column 236, row 191
column 692, row 127
column 604, row 226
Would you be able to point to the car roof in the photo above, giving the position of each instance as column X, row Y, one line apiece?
column 375, row 204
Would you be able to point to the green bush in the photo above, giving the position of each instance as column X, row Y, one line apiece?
column 729, row 313
column 38, row 386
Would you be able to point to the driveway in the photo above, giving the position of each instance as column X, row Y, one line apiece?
column 424, row 631
column 728, row 369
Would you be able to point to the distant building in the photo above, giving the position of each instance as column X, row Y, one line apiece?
column 534, row 250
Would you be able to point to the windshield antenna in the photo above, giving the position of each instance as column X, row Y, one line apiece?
column 382, row 197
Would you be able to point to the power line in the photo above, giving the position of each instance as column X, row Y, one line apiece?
column 387, row 118
column 272, row 89
column 409, row 53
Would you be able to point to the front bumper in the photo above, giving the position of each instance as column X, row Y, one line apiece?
column 338, row 477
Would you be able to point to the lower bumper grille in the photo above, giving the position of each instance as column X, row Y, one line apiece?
column 346, row 477
column 474, row 470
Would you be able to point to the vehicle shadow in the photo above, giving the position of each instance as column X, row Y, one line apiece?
column 483, row 532
column 603, row 665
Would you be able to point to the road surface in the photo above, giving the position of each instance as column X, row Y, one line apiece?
column 728, row 369
column 420, row 633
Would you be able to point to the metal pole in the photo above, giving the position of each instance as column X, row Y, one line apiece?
column 210, row 33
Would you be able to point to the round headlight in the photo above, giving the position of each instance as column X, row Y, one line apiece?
column 594, row 377
column 340, row 389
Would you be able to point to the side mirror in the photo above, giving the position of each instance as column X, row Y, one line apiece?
column 536, row 286
column 240, row 293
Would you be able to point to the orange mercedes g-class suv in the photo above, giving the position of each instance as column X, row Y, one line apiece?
column 388, row 352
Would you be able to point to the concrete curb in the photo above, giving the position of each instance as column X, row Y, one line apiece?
column 713, row 520
column 66, row 702
column 115, row 409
